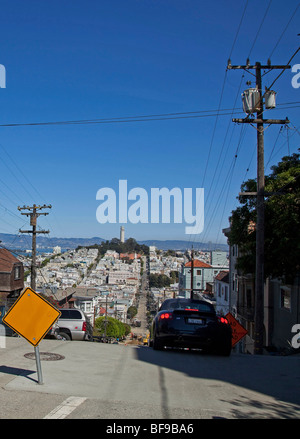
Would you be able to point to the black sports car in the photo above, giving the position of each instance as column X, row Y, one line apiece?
column 191, row 323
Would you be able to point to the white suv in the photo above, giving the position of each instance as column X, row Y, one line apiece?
column 74, row 325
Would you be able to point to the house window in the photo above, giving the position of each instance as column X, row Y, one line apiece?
column 285, row 298
column 17, row 272
column 226, row 292
column 198, row 272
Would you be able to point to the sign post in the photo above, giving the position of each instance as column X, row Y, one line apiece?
column 31, row 316
column 38, row 364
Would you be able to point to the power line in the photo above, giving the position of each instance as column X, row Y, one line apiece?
column 283, row 32
column 259, row 29
column 214, row 129
column 239, row 27
column 125, row 119
column 207, row 209
column 293, row 56
column 141, row 118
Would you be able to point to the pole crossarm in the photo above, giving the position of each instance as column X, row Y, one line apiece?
column 35, row 207
column 263, row 121
column 37, row 231
column 255, row 66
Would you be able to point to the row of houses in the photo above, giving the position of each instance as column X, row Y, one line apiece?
column 112, row 295
column 110, row 287
column 204, row 275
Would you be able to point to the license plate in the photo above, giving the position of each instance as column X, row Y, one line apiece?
column 195, row 321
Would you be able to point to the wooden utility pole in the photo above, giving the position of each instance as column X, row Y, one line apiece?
column 192, row 274
column 260, row 225
column 34, row 214
column 260, row 197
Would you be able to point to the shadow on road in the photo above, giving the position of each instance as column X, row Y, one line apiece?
column 17, row 371
column 277, row 377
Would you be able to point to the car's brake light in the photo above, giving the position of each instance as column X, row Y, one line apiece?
column 191, row 309
column 165, row 316
column 223, row 320
column 84, row 326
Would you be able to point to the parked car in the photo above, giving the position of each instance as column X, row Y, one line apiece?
column 190, row 323
column 53, row 332
column 74, row 325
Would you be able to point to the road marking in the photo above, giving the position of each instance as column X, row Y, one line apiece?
column 65, row 408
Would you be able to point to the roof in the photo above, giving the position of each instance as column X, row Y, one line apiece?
column 223, row 276
column 7, row 261
column 130, row 255
column 198, row 264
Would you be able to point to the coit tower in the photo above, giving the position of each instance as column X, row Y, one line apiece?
column 122, row 234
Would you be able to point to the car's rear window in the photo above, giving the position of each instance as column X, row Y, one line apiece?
column 70, row 314
column 187, row 304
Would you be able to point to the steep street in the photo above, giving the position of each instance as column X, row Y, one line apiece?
column 142, row 309
column 135, row 382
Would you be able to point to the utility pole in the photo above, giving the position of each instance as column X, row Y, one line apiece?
column 192, row 274
column 33, row 212
column 260, row 195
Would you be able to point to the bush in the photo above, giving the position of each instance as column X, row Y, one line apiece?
column 114, row 328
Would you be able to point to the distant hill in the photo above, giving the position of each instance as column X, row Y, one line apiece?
column 23, row 242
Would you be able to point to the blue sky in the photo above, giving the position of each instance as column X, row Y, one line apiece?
column 70, row 60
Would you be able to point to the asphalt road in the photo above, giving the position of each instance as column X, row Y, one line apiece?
column 103, row 381
column 142, row 308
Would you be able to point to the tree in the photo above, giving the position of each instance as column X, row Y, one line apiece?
column 282, row 222
column 174, row 277
column 159, row 280
column 131, row 312
column 114, row 328
column 129, row 246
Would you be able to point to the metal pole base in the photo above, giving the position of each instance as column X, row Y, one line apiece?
column 38, row 364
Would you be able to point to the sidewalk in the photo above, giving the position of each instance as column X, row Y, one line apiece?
column 68, row 368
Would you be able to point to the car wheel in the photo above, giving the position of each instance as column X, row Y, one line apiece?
column 225, row 349
column 157, row 346
column 64, row 336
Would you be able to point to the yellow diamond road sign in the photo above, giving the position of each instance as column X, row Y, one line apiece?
column 31, row 316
